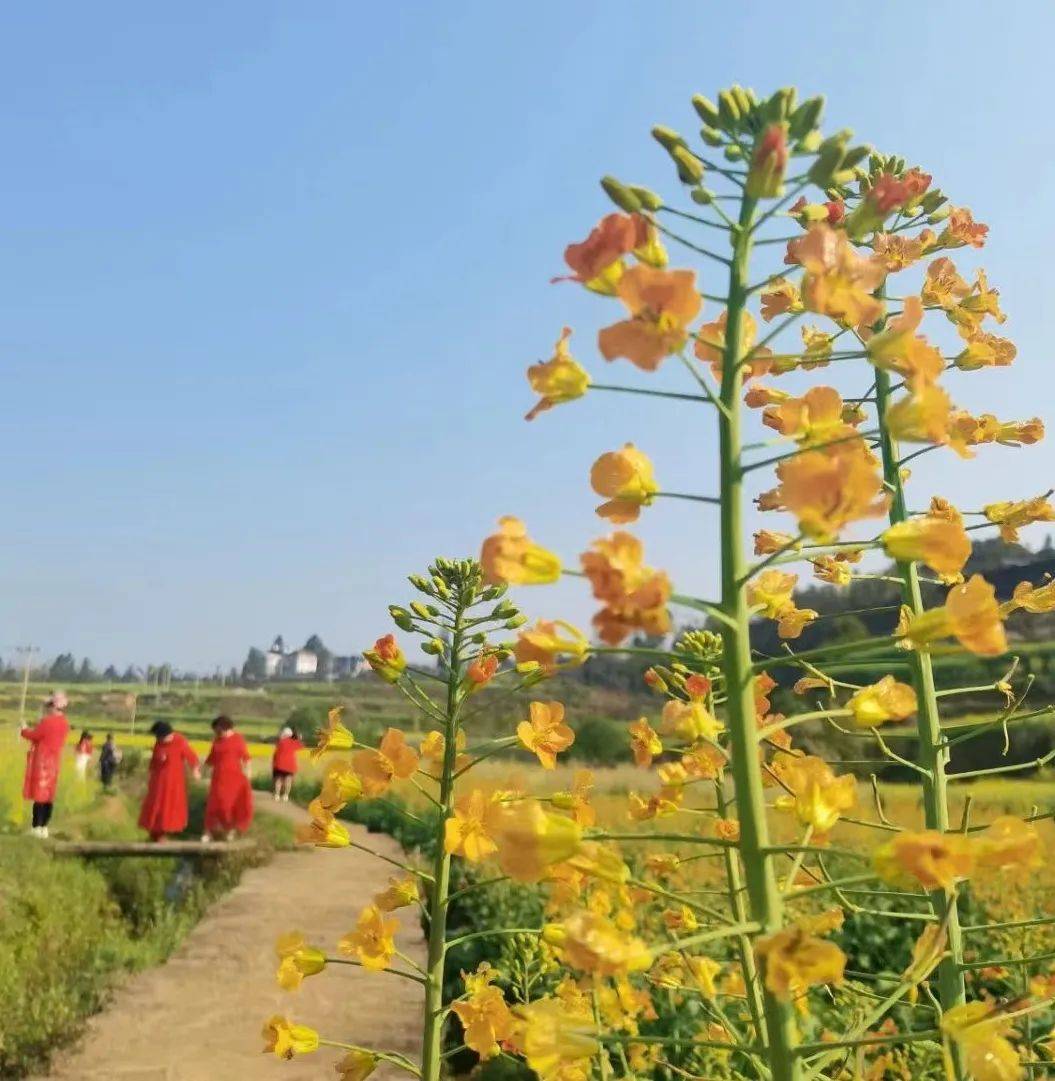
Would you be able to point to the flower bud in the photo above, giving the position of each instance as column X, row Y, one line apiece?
column 504, row 610
column 516, row 621
column 649, row 199
column 420, row 610
column 765, row 178
column 554, row 934
column 733, row 153
column 433, row 647
column 939, row 215
column 401, row 617
column 728, row 111
column 479, row 638
column 690, row 168
column 667, row 138
column 706, row 110
column 806, row 117
column 810, row 142
column 855, row 155
column 420, row 583
column 829, row 158
column 702, row 196
column 711, row 136
column 621, row 195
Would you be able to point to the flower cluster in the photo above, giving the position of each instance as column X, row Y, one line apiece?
column 694, row 930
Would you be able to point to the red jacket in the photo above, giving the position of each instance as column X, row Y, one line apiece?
column 285, row 756
column 230, row 802
column 46, row 739
column 165, row 806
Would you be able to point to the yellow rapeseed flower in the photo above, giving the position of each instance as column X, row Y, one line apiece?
column 899, row 349
column 592, row 943
column 644, row 742
column 880, row 702
column 779, row 297
column 392, row 760
column 555, row 1041
column 323, row 831
column 937, row 861
column 334, row 737
column 626, row 478
column 340, row 786
column 545, row 734
column 511, row 556
column 794, row 961
column 386, row 658
column 662, row 303
column 816, row 795
column 939, row 542
column 285, row 1039
column 1011, row 516
column 828, row 489
column 469, row 832
column 551, row 645
column 980, row 1033
column 356, row 1066
column 373, row 940
column 1007, row 843
column 816, row 417
column 486, row 1018
column 296, row 960
column 530, row 839
column 838, row 281
column 710, row 346
column 690, row 720
column 634, row 595
column 558, row 380
column 400, row 893
column 970, row 614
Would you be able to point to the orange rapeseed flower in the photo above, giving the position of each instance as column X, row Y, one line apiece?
column 661, row 303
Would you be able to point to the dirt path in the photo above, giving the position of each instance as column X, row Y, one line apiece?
column 198, row 1017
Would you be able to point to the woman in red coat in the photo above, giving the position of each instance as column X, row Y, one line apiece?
column 230, row 803
column 165, row 806
column 46, row 740
column 284, row 763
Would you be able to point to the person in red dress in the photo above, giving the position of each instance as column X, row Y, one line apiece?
column 229, row 807
column 46, row 740
column 165, row 805
column 284, row 763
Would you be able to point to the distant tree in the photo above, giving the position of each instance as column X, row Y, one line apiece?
column 255, row 668
column 232, row 676
column 131, row 674
column 110, row 675
column 86, row 673
column 63, row 669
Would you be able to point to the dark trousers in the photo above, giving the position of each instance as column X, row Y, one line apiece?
column 42, row 814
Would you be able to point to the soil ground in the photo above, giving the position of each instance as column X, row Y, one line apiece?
column 198, row 1016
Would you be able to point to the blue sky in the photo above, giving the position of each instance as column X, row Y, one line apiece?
column 271, row 275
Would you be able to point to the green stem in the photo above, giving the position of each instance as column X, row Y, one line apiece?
column 765, row 905
column 933, row 749
column 431, row 1049
column 734, row 880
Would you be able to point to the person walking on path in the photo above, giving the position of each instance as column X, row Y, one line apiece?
column 83, row 754
column 229, row 807
column 46, row 740
column 165, row 806
column 109, row 757
column 284, row 763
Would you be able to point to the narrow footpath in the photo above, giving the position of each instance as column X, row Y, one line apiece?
column 198, row 1016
